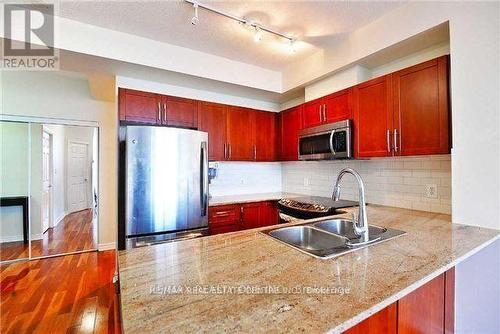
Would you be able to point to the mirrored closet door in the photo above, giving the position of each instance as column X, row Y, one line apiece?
column 58, row 182
column 14, row 190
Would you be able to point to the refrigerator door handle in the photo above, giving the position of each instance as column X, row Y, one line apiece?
column 204, row 179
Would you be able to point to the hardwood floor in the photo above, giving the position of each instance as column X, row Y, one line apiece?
column 66, row 294
column 74, row 233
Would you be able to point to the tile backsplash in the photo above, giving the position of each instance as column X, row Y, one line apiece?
column 398, row 181
column 239, row 178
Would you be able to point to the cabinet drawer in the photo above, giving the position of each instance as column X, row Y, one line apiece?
column 224, row 215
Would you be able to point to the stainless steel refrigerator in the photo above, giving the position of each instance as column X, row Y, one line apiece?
column 166, row 180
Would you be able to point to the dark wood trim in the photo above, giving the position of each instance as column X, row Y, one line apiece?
column 22, row 201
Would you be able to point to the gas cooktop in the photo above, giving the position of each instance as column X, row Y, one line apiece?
column 312, row 206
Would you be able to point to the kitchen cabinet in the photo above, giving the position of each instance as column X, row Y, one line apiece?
column 224, row 218
column 337, row 106
column 179, row 112
column 265, row 136
column 251, row 215
column 428, row 309
column 328, row 109
column 312, row 114
column 384, row 321
column 139, row 107
column 290, row 123
column 240, row 134
column 421, row 113
column 236, row 217
column 212, row 119
column 373, row 118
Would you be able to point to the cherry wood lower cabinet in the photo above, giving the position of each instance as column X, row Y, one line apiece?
column 427, row 310
column 236, row 217
column 384, row 321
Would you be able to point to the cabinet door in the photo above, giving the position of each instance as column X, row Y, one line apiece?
column 373, row 118
column 423, row 310
column 421, row 108
column 338, row 106
column 291, row 123
column 251, row 215
column 384, row 321
column 140, row 107
column 240, row 134
column 212, row 119
column 265, row 136
column 270, row 215
column 313, row 113
column 224, row 218
column 180, row 112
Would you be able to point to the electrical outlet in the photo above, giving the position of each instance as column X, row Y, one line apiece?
column 242, row 181
column 431, row 191
column 306, row 182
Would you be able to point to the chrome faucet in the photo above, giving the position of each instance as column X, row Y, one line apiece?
column 361, row 224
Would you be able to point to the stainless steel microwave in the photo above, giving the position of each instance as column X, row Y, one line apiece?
column 326, row 142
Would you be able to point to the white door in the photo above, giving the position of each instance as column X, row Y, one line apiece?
column 46, row 181
column 78, row 167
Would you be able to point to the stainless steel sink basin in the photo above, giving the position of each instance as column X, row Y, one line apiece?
column 345, row 228
column 307, row 237
column 329, row 238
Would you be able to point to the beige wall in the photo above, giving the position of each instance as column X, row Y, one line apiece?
column 66, row 96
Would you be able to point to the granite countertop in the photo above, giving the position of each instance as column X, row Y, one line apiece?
column 247, row 282
column 248, row 198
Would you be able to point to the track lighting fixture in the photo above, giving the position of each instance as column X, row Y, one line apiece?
column 257, row 37
column 257, row 28
column 195, row 19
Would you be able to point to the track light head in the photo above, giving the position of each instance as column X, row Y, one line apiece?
column 257, row 37
column 195, row 20
column 292, row 48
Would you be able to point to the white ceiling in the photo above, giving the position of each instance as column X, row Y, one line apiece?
column 317, row 24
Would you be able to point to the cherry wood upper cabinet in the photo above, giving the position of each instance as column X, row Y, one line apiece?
column 312, row 114
column 181, row 112
column 421, row 113
column 265, row 136
column 212, row 119
column 140, row 107
column 290, row 124
column 337, row 106
column 240, row 134
column 373, row 118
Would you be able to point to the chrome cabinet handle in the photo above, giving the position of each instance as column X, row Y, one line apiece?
column 324, row 112
column 388, row 140
column 225, row 150
column 164, row 112
column 396, row 140
column 159, row 112
column 229, row 151
column 320, row 113
column 255, row 152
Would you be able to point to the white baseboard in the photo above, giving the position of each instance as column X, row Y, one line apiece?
column 14, row 238
column 107, row 246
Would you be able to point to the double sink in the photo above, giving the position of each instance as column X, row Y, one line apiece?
column 329, row 238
